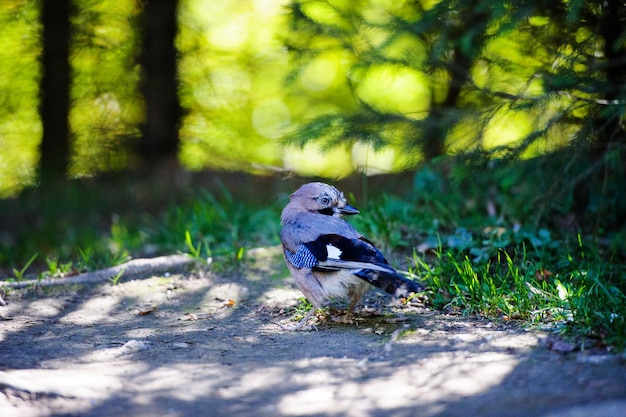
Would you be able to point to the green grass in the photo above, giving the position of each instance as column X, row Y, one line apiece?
column 484, row 243
column 578, row 295
column 482, row 251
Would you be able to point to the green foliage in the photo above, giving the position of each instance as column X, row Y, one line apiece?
column 19, row 273
column 596, row 295
column 510, row 79
column 116, row 278
column 221, row 225
column 193, row 250
column 417, row 79
column 489, row 242
column 97, row 253
column 302, row 308
column 231, row 70
column 56, row 268
column 208, row 226
column 20, row 129
column 106, row 108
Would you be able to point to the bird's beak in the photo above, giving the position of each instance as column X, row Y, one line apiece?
column 346, row 210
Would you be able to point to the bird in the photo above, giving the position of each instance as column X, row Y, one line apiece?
column 327, row 257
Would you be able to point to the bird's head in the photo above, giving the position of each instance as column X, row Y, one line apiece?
column 317, row 197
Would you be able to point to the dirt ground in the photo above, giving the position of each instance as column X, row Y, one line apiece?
column 208, row 343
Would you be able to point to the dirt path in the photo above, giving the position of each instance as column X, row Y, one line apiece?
column 201, row 344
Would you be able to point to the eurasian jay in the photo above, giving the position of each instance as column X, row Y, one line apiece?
column 327, row 257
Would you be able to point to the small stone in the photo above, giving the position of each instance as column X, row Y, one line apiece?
column 562, row 346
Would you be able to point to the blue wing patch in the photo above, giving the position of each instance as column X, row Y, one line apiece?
column 303, row 258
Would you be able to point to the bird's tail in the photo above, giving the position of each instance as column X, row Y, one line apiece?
column 390, row 281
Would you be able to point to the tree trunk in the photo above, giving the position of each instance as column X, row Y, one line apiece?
column 54, row 90
column 608, row 125
column 159, row 81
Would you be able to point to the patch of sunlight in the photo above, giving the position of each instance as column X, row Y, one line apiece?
column 396, row 89
column 324, row 13
column 93, row 311
column 304, row 109
column 421, row 383
column 534, row 88
column 583, row 34
column 480, row 74
column 557, row 137
column 506, row 128
column 508, row 48
column 270, row 117
column 429, row 4
column 202, row 12
column 440, row 83
column 252, row 382
column 463, row 136
column 267, row 8
column 221, row 381
column 405, row 46
column 405, row 7
column 377, row 16
column 280, row 298
column 19, row 156
column 311, row 160
column 320, row 73
column 220, row 299
column 229, row 85
column 108, row 105
column 231, row 71
column 81, row 382
column 372, row 161
column 140, row 332
column 229, row 35
column 20, row 126
column 220, row 144
column 496, row 78
column 538, row 20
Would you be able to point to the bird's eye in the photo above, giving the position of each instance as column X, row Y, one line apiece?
column 325, row 200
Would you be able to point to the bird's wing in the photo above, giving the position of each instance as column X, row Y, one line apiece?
column 332, row 252
column 335, row 251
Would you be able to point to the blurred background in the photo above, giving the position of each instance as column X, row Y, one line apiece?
column 117, row 106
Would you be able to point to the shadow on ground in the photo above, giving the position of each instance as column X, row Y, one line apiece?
column 208, row 344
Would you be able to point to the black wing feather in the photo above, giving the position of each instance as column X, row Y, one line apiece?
column 390, row 281
column 364, row 252
column 360, row 250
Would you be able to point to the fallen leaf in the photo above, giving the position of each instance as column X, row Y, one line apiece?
column 543, row 274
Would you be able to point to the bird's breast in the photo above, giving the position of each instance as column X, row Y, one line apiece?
column 339, row 284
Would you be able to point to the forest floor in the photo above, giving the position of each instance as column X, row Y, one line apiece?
column 207, row 343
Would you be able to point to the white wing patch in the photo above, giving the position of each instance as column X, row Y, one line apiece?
column 333, row 251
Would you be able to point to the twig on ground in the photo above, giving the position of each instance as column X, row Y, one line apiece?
column 136, row 268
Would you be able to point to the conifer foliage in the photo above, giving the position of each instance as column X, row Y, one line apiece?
column 507, row 79
column 521, row 77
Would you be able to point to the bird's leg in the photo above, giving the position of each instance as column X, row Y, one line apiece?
column 350, row 310
column 347, row 318
column 301, row 324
